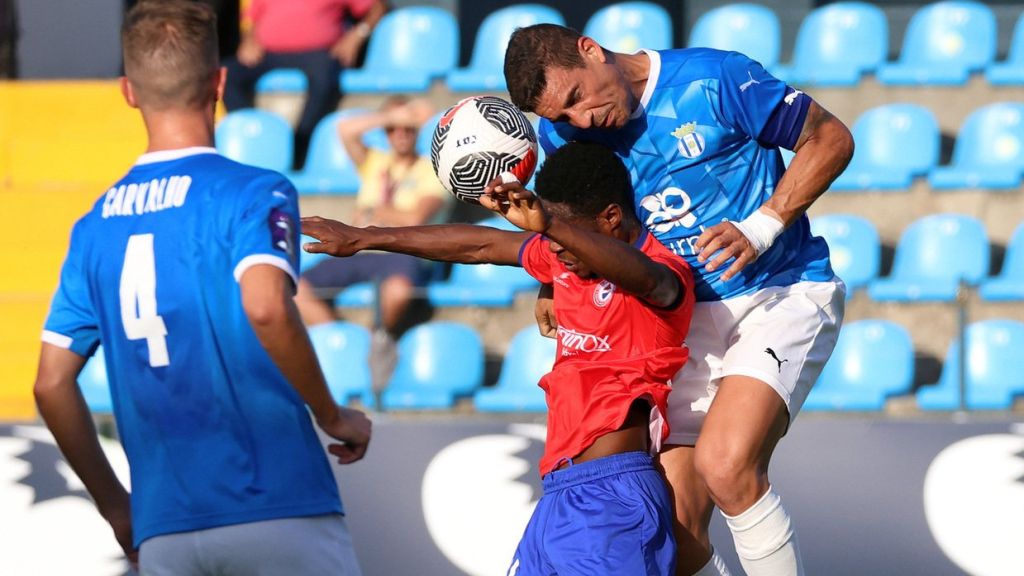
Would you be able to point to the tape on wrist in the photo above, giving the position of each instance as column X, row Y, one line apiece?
column 761, row 229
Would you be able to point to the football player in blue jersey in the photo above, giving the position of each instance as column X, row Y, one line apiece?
column 700, row 131
column 185, row 272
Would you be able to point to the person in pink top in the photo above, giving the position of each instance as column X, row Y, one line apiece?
column 319, row 37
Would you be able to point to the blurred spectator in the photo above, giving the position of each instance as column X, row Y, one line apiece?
column 8, row 40
column 306, row 34
column 399, row 188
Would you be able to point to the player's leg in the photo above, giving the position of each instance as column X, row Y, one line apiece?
column 170, row 555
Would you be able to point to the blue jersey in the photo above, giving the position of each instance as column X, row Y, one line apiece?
column 702, row 148
column 214, row 433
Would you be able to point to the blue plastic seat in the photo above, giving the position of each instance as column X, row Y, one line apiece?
column 95, row 385
column 530, row 356
column 1010, row 72
column 934, row 254
column 853, row 246
column 438, row 362
column 895, row 144
column 328, row 169
column 750, row 29
column 629, row 26
column 343, row 349
column 873, row 360
column 256, row 137
column 358, row 295
column 486, row 69
column 408, row 49
column 1009, row 285
column 426, row 135
column 945, row 42
column 836, row 44
column 989, row 150
column 995, row 369
column 283, row 80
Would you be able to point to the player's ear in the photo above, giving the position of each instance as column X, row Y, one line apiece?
column 590, row 49
column 128, row 92
column 610, row 218
column 222, row 78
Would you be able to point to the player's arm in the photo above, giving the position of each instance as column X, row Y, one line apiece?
column 463, row 243
column 63, row 408
column 268, row 303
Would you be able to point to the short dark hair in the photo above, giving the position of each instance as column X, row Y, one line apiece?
column 586, row 177
column 531, row 51
column 170, row 52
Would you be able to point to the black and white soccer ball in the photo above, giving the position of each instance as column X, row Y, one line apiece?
column 478, row 139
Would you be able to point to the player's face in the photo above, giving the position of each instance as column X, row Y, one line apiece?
column 571, row 262
column 595, row 96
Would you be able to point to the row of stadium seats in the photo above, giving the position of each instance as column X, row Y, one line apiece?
column 440, row 363
column 836, row 44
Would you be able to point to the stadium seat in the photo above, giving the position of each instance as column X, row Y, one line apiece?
column 895, row 143
column 530, row 356
column 343, row 349
column 426, row 135
column 409, row 48
column 837, row 43
column 747, row 28
column 1009, row 285
column 328, row 169
column 358, row 295
column 437, row 363
column 95, row 385
column 995, row 369
column 629, row 26
column 287, row 80
column 945, row 42
column 988, row 152
column 1010, row 72
column 256, row 137
column 934, row 254
column 486, row 68
column 873, row 360
column 854, row 248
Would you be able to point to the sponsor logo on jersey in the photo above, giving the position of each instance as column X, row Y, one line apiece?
column 668, row 209
column 282, row 231
column 691, row 143
column 792, row 96
column 748, row 83
column 603, row 293
column 560, row 279
column 574, row 342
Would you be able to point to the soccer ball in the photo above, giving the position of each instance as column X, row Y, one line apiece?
column 478, row 139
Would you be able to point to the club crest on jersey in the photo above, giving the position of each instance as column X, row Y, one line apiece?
column 603, row 293
column 691, row 143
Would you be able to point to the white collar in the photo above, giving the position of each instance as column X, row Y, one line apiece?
column 165, row 155
column 652, row 81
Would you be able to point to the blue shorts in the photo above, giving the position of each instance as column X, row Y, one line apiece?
column 608, row 516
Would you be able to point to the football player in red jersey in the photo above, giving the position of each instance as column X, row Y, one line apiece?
column 623, row 302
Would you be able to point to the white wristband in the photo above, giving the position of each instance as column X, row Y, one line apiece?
column 761, row 229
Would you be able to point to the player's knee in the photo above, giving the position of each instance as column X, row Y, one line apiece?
column 728, row 472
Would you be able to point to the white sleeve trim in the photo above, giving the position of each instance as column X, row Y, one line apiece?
column 59, row 340
column 257, row 259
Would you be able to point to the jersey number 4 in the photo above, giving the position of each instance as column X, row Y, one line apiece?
column 138, row 299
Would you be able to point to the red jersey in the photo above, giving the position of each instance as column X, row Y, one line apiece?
column 613, row 348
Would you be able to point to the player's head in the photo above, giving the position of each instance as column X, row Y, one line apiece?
column 401, row 127
column 587, row 185
column 170, row 56
column 566, row 77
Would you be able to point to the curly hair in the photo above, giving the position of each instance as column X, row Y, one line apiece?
column 531, row 51
column 586, row 178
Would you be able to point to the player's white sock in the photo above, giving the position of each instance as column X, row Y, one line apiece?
column 715, row 566
column 765, row 539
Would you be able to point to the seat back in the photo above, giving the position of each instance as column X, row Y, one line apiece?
column 853, row 246
column 343, row 350
column 256, row 137
column 902, row 137
column 994, row 359
column 493, row 34
column 747, row 28
column 326, row 152
column 1013, row 259
column 442, row 355
column 992, row 135
column 849, row 35
column 943, row 247
column 630, row 26
column 958, row 34
column 1016, row 53
column 416, row 38
column 875, row 355
column 529, row 357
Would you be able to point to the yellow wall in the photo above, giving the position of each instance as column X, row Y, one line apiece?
column 61, row 145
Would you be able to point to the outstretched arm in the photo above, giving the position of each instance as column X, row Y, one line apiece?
column 444, row 242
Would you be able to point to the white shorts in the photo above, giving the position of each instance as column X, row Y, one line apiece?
column 781, row 335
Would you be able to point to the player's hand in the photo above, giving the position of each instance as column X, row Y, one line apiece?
column 346, row 49
column 120, row 520
column 250, row 52
column 544, row 311
column 335, row 238
column 353, row 428
column 518, row 205
column 721, row 242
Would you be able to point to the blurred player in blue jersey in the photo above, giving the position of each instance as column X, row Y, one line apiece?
column 185, row 271
column 700, row 131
